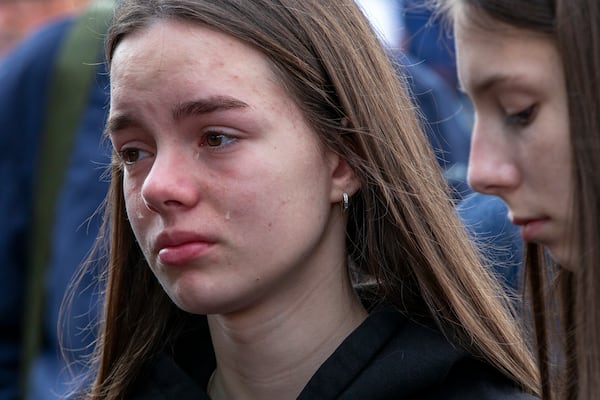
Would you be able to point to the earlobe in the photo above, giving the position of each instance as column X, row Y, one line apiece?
column 343, row 179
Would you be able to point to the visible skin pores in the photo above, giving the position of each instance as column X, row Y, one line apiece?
column 520, row 146
column 234, row 203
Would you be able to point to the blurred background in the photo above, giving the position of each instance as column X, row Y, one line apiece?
column 20, row 17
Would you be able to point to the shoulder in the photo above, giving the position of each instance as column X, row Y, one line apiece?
column 182, row 370
column 474, row 379
column 391, row 355
column 164, row 379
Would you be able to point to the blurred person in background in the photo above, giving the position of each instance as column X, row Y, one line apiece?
column 442, row 115
column 53, row 98
column 20, row 17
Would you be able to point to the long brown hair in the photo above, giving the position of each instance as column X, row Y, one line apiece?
column 578, row 35
column 402, row 232
column 573, row 295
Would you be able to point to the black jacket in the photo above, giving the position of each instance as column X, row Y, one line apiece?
column 387, row 357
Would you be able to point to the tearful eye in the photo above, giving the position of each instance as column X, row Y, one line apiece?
column 131, row 156
column 216, row 140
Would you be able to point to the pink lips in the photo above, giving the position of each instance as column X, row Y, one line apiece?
column 180, row 248
column 530, row 227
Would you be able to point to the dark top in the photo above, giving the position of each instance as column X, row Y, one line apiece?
column 387, row 357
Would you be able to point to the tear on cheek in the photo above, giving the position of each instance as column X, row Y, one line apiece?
column 227, row 215
column 136, row 213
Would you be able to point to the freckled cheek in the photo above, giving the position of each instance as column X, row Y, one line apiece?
column 240, row 205
column 252, row 201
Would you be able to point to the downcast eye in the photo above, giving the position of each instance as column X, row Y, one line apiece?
column 522, row 118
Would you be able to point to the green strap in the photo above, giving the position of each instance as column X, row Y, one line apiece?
column 73, row 76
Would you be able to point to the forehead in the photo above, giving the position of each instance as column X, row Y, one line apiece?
column 494, row 50
column 171, row 66
column 172, row 61
column 168, row 50
column 472, row 24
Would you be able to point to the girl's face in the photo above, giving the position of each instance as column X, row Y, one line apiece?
column 520, row 148
column 231, row 197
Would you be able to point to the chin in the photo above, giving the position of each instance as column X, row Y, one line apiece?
column 563, row 257
column 203, row 305
column 195, row 307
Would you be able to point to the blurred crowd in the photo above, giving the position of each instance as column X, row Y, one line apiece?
column 20, row 17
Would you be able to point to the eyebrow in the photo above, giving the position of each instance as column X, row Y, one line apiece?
column 118, row 123
column 180, row 111
column 491, row 81
column 484, row 85
column 206, row 106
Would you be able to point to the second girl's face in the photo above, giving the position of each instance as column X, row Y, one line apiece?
column 230, row 195
column 520, row 146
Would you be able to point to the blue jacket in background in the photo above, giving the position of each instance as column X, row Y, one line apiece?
column 486, row 219
column 445, row 120
column 25, row 76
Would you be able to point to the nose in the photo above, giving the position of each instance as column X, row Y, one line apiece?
column 170, row 184
column 492, row 168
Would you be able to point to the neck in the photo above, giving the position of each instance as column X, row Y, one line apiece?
column 272, row 353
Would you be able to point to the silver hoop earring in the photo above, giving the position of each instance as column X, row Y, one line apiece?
column 345, row 201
